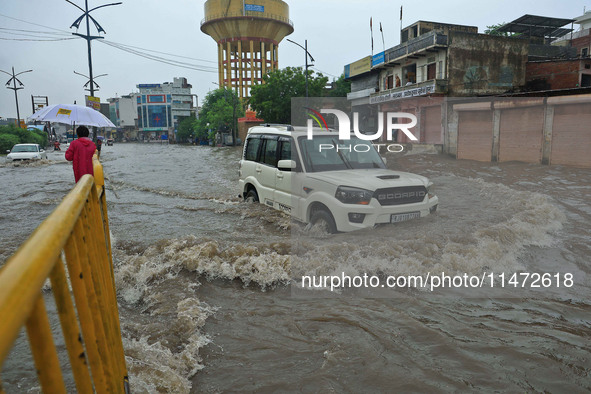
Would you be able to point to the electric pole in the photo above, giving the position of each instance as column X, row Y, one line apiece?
column 307, row 64
column 88, row 37
column 14, row 80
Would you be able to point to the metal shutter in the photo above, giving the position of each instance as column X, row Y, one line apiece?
column 571, row 135
column 475, row 135
column 521, row 134
column 432, row 126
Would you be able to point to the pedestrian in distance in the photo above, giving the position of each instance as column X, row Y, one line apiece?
column 80, row 152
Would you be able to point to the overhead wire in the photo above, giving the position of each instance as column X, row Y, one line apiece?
column 40, row 39
column 163, row 53
column 171, row 62
column 35, row 24
column 141, row 52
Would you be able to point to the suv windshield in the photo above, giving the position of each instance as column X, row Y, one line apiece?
column 328, row 153
column 24, row 148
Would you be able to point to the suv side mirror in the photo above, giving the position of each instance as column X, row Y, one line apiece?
column 286, row 165
column 8, row 151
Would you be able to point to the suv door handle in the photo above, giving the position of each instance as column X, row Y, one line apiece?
column 258, row 169
column 280, row 175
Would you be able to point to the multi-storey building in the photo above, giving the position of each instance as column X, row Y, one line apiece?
column 123, row 113
column 434, row 60
column 161, row 107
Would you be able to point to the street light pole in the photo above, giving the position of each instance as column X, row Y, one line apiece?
column 307, row 65
column 88, row 37
column 14, row 80
column 88, row 83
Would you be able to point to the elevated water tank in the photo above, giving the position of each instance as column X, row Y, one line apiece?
column 248, row 33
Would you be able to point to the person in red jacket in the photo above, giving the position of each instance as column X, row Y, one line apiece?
column 80, row 152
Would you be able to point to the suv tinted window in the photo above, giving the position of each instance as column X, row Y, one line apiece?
column 285, row 153
column 252, row 148
column 269, row 153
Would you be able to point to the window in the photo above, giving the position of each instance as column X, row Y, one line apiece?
column 269, row 152
column 252, row 149
column 285, row 153
column 431, row 68
column 585, row 52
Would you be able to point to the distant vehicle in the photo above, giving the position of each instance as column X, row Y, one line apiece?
column 26, row 152
column 110, row 142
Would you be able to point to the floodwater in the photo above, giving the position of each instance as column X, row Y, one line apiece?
column 209, row 289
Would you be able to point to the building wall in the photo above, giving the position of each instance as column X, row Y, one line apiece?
column 483, row 64
column 422, row 27
column 553, row 75
column 127, row 111
column 582, row 43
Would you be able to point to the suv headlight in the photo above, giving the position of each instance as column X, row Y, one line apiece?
column 430, row 188
column 353, row 195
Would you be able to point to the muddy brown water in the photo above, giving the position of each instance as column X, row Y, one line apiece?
column 206, row 282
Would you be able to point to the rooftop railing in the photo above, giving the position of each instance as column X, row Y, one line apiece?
column 255, row 14
column 415, row 45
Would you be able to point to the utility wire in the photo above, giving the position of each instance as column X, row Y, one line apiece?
column 36, row 24
column 154, row 57
column 126, row 48
column 163, row 53
column 162, row 60
column 33, row 31
column 41, row 39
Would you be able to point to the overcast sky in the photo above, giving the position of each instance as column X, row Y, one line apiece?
column 337, row 32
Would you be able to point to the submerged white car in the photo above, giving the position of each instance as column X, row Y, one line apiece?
column 26, row 152
column 342, row 185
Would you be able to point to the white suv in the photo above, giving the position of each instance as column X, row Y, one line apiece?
column 342, row 185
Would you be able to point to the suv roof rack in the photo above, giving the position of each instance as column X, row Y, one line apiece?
column 288, row 127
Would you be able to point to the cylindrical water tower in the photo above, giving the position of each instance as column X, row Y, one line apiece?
column 248, row 33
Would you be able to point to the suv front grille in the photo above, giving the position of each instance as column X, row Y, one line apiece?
column 400, row 195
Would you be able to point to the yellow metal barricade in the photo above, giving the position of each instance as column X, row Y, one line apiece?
column 71, row 246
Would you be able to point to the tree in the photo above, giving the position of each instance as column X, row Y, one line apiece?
column 493, row 30
column 11, row 135
column 186, row 129
column 340, row 87
column 272, row 99
column 220, row 109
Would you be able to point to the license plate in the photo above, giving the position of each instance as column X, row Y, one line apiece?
column 401, row 217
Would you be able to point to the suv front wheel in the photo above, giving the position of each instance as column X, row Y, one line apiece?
column 323, row 220
column 251, row 196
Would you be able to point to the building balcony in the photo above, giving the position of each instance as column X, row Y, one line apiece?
column 425, row 42
column 360, row 94
column 433, row 86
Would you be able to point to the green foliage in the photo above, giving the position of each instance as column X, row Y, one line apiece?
column 220, row 108
column 186, row 129
column 340, row 87
column 272, row 99
column 7, row 141
column 493, row 30
column 11, row 135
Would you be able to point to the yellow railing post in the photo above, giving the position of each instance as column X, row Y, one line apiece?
column 72, row 336
column 79, row 228
column 43, row 348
